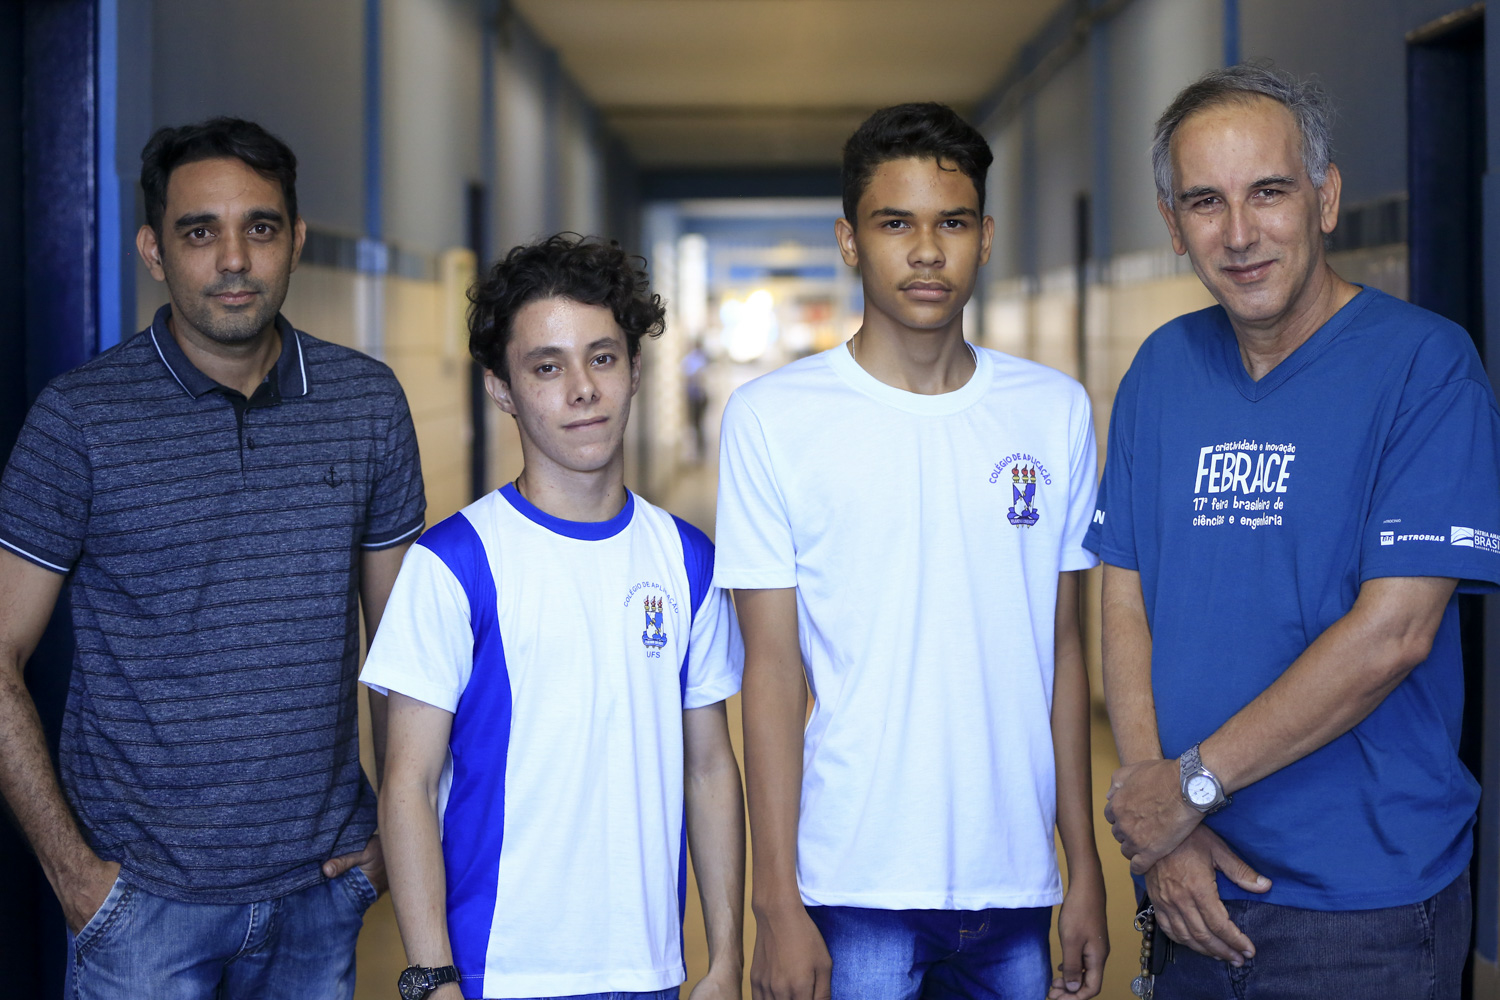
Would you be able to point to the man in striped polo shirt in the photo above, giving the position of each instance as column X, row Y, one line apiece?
column 222, row 494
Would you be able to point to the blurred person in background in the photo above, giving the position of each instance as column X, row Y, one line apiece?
column 695, row 378
column 902, row 518
column 222, row 494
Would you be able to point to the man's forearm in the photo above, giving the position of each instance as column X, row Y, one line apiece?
column 377, row 575
column 30, row 786
column 81, row 880
column 1127, row 667
column 1338, row 680
column 715, row 805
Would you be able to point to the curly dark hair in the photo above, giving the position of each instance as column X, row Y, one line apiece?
column 169, row 148
column 585, row 269
column 926, row 130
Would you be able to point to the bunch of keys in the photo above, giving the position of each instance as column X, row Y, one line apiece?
column 1144, row 985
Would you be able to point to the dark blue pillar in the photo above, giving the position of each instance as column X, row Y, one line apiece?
column 49, row 298
column 58, row 151
column 1487, row 901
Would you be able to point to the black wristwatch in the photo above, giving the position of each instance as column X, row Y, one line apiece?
column 418, row 981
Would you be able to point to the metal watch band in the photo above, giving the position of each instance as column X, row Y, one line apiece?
column 419, row 981
column 1190, row 765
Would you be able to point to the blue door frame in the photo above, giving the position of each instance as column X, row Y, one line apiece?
column 49, row 299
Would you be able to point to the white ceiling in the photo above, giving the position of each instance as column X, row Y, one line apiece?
column 775, row 82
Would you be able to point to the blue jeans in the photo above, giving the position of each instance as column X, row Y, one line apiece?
column 936, row 954
column 1415, row 952
column 300, row 945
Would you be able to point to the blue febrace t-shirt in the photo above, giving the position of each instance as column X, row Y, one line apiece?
column 1253, row 512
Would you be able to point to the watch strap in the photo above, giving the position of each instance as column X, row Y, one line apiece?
column 1190, row 765
column 420, row 980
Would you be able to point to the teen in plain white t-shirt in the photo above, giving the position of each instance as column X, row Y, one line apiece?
column 901, row 519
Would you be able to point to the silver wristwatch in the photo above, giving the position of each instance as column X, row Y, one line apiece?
column 1201, row 788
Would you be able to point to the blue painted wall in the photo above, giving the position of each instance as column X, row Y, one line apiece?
column 1357, row 48
column 296, row 67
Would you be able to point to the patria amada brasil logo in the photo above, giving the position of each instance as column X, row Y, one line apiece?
column 1023, row 493
column 654, row 637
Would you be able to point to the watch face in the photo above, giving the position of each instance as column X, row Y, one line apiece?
column 412, row 984
column 1200, row 789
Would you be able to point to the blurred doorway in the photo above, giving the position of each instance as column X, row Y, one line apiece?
column 1446, row 157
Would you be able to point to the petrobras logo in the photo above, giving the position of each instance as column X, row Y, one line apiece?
column 1389, row 538
column 1474, row 538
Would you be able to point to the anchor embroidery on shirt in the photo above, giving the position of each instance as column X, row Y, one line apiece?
column 332, row 479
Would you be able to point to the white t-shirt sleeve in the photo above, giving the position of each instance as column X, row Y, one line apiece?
column 716, row 653
column 1083, row 487
column 753, row 531
column 424, row 647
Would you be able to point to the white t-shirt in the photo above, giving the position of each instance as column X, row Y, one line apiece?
column 924, row 535
column 566, row 652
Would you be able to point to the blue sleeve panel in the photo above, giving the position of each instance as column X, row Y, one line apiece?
column 698, row 558
column 474, row 820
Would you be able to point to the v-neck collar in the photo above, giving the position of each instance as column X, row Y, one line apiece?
column 1306, row 352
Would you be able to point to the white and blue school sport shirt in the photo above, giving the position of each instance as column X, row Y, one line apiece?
column 1254, row 511
column 924, row 535
column 567, row 652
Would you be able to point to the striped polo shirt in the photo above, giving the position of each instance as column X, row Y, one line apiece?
column 210, row 741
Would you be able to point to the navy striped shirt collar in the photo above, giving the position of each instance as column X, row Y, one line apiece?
column 290, row 370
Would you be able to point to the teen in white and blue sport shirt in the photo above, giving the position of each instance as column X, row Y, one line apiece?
column 556, row 656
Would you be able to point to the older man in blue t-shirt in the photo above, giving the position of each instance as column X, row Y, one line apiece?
column 1298, row 481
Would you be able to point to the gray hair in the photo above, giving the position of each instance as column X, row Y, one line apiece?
column 1308, row 102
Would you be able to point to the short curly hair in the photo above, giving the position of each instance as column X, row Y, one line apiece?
column 587, row 270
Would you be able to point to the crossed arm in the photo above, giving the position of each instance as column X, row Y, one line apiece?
column 1338, row 680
